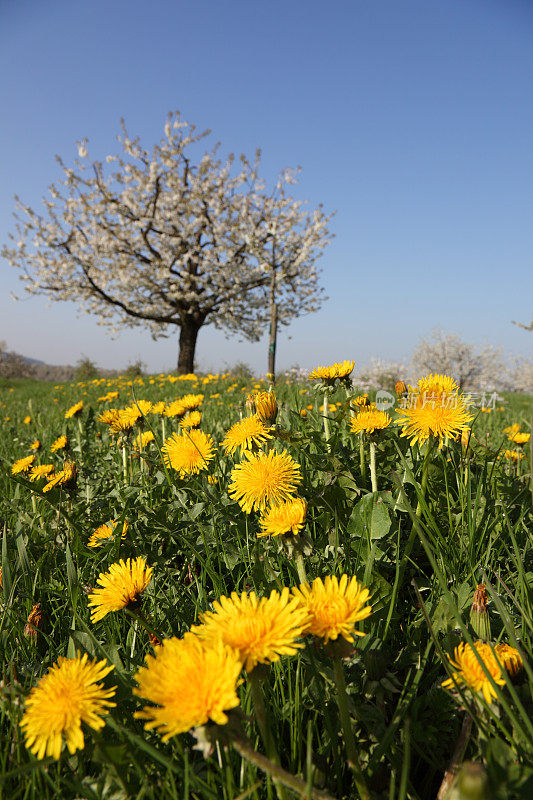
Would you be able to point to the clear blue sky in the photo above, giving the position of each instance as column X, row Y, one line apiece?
column 412, row 118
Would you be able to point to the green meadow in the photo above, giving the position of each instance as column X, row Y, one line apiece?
column 420, row 526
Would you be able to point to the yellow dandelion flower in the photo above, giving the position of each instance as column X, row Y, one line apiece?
column 360, row 401
column 121, row 586
column 108, row 416
column 189, row 453
column 512, row 455
column 467, row 671
column 41, row 471
column 436, row 410
column 192, row 401
column 341, row 369
column 107, row 397
column 60, row 444
column 159, row 408
column 260, row 630
column 106, row 531
column 190, row 683
column 191, row 419
column 69, row 694
column 335, row 606
column 64, row 476
column 509, row 658
column 143, row 439
column 370, row 421
column 22, row 465
column 144, row 406
column 175, row 409
column 520, row 438
column 512, row 429
column 124, row 420
column 74, row 410
column 264, row 479
column 436, row 384
column 288, row 517
column 36, row 445
column 246, row 434
column 27, row 420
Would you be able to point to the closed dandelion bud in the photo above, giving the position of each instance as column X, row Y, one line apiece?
column 471, row 783
column 250, row 403
column 376, row 663
column 34, row 623
column 266, row 407
column 400, row 388
column 479, row 614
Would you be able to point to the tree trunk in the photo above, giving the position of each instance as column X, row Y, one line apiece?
column 188, row 335
column 273, row 329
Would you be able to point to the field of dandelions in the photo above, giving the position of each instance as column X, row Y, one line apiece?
column 212, row 590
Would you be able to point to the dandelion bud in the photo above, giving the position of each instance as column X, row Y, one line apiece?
column 34, row 623
column 250, row 403
column 376, row 663
column 400, row 388
column 361, row 401
column 471, row 783
column 479, row 615
column 266, row 407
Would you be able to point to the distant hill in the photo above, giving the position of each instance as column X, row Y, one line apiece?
column 15, row 365
column 30, row 360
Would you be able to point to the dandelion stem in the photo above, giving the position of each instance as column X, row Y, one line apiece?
column 325, row 412
column 362, row 456
column 424, row 481
column 300, row 566
column 277, row 773
column 349, row 740
column 457, row 757
column 124, row 462
column 373, row 476
column 133, row 638
column 79, row 439
column 264, row 725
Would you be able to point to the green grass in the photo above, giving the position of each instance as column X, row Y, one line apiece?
column 474, row 524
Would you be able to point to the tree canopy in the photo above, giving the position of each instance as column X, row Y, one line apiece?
column 163, row 239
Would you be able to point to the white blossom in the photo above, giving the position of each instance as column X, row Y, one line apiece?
column 162, row 241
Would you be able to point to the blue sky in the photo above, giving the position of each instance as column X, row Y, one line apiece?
column 413, row 119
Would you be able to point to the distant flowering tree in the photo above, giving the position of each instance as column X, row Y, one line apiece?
column 165, row 242
column 472, row 367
